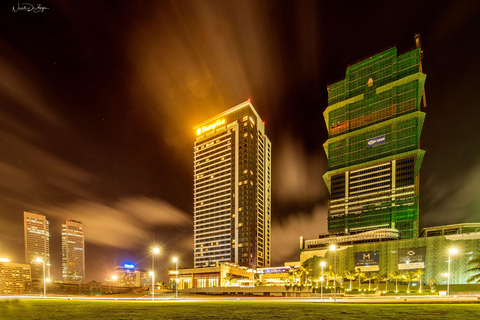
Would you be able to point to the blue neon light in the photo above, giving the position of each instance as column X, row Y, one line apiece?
column 129, row 266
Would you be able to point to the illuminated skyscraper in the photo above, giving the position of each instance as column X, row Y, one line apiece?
column 37, row 243
column 73, row 251
column 232, row 189
column 374, row 157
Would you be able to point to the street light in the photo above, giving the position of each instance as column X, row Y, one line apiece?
column 450, row 252
column 155, row 250
column 334, row 248
column 322, row 264
column 176, row 277
column 44, row 278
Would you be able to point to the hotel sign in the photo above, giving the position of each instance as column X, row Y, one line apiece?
column 210, row 127
column 376, row 141
column 411, row 258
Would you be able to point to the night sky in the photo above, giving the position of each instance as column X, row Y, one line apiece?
column 98, row 100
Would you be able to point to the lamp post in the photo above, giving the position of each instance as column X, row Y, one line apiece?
column 334, row 248
column 322, row 264
column 114, row 278
column 155, row 251
column 450, row 252
column 176, row 277
column 44, row 279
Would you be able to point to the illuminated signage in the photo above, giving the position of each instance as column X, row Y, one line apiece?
column 411, row 258
column 129, row 266
column 210, row 127
column 376, row 141
column 365, row 259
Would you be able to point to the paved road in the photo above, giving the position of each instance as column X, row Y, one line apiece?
column 369, row 300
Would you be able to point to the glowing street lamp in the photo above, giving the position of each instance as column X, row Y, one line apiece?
column 155, row 251
column 114, row 278
column 176, row 277
column 44, row 278
column 322, row 264
column 450, row 252
column 334, row 248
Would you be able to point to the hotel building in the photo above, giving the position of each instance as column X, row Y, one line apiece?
column 232, row 190
column 73, row 251
column 37, row 243
column 374, row 124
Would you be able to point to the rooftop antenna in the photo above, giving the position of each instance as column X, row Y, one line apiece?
column 418, row 45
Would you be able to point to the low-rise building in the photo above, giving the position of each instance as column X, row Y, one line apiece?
column 13, row 277
column 224, row 275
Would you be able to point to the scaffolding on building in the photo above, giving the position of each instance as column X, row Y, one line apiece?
column 373, row 119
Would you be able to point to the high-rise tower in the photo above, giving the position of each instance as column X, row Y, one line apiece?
column 37, row 243
column 73, row 251
column 374, row 157
column 232, row 189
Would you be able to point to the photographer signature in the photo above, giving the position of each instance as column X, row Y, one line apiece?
column 27, row 7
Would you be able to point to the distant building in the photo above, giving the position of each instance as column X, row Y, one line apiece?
column 374, row 124
column 73, row 251
column 37, row 243
column 232, row 190
column 130, row 276
column 13, row 277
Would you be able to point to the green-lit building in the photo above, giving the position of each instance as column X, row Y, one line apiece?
column 374, row 158
column 373, row 148
column 428, row 253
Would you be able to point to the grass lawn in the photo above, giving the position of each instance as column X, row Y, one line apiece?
column 98, row 309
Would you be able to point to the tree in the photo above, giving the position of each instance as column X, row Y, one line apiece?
column 396, row 275
column 431, row 284
column 384, row 277
column 476, row 268
column 418, row 276
column 409, row 276
column 229, row 279
column 329, row 275
column 350, row 275
column 369, row 277
column 360, row 275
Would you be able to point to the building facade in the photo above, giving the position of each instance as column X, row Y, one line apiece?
column 73, row 251
column 13, row 277
column 130, row 276
column 232, row 190
column 37, row 243
column 373, row 148
column 428, row 253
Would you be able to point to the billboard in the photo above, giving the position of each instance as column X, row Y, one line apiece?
column 413, row 258
column 367, row 261
column 376, row 141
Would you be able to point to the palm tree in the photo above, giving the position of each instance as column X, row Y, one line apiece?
column 396, row 275
column 369, row 277
column 409, row 276
column 418, row 276
column 350, row 275
column 476, row 268
column 384, row 277
column 360, row 275
column 229, row 278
